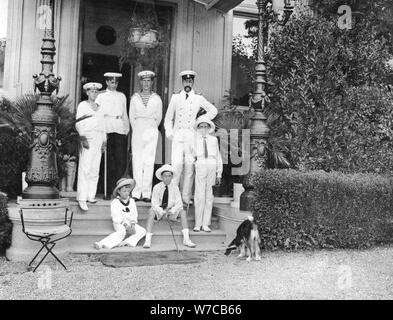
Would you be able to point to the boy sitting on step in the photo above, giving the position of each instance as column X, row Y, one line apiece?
column 125, row 218
column 166, row 202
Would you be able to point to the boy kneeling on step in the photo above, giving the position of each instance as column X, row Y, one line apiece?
column 166, row 202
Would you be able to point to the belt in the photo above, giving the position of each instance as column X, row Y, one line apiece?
column 208, row 158
column 109, row 116
column 149, row 118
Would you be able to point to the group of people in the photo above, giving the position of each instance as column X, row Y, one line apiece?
column 195, row 153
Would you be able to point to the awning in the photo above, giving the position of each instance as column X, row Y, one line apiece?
column 222, row 5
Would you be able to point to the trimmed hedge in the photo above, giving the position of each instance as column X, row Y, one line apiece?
column 310, row 210
column 5, row 225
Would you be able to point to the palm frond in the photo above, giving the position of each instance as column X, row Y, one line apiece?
column 231, row 119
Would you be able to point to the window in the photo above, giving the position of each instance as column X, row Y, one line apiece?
column 3, row 37
column 242, row 60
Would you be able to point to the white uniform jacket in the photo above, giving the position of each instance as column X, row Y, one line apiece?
column 114, row 104
column 175, row 203
column 182, row 112
column 90, row 126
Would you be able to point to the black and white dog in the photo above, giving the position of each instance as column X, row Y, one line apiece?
column 247, row 240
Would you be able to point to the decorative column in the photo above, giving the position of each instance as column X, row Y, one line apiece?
column 259, row 129
column 42, row 174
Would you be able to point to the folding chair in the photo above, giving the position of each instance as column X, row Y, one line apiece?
column 47, row 236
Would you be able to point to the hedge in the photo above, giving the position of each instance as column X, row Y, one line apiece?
column 311, row 210
column 5, row 225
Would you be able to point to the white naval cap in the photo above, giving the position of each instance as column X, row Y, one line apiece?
column 112, row 75
column 92, row 85
column 187, row 74
column 146, row 74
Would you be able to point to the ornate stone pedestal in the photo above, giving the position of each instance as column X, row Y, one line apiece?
column 40, row 214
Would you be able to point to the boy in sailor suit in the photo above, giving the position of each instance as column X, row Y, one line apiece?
column 166, row 202
column 117, row 127
column 179, row 127
column 92, row 130
column 208, row 171
column 125, row 218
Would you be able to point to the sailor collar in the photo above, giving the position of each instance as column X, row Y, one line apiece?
column 124, row 204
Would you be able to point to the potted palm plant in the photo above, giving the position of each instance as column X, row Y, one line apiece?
column 228, row 118
column 18, row 118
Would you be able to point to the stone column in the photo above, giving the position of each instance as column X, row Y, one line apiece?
column 42, row 173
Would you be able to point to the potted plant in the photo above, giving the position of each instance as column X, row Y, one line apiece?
column 18, row 118
column 231, row 117
column 143, row 40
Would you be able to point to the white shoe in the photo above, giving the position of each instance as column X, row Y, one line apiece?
column 146, row 245
column 197, row 229
column 83, row 205
column 206, row 229
column 97, row 246
column 92, row 200
column 189, row 243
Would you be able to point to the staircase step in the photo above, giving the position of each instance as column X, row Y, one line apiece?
column 97, row 221
column 103, row 207
column 156, row 247
column 96, row 224
column 162, row 237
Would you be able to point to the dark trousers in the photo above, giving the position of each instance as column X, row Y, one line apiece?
column 117, row 158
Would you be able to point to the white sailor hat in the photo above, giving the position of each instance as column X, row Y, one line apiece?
column 92, row 85
column 164, row 168
column 112, row 75
column 187, row 74
column 205, row 119
column 146, row 74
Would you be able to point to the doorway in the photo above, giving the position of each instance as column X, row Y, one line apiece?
column 101, row 22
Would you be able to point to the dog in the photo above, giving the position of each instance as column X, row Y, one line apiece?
column 247, row 240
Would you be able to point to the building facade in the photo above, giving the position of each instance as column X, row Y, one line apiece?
column 200, row 33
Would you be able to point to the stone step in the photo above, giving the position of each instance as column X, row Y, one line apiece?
column 83, row 238
column 103, row 206
column 156, row 247
column 104, row 220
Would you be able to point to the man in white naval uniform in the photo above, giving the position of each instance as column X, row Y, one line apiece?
column 179, row 127
column 145, row 117
column 117, row 127
column 92, row 130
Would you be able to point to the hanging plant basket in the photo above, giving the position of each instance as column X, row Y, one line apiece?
column 143, row 39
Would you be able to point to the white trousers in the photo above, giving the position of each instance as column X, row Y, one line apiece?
column 116, row 238
column 89, row 167
column 182, row 162
column 205, row 178
column 144, row 146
